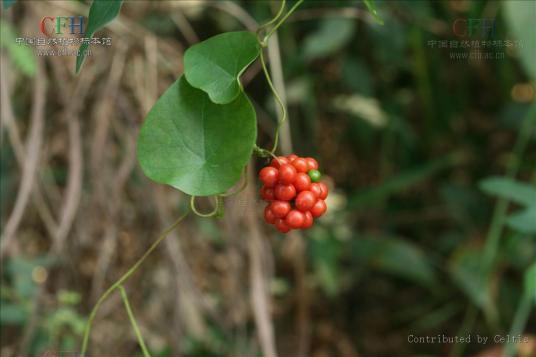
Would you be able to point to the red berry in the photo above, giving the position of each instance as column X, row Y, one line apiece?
column 319, row 208
column 267, row 193
column 269, row 176
column 294, row 219
column 281, row 225
column 308, row 220
column 284, row 192
column 269, row 216
column 292, row 157
column 312, row 164
column 316, row 189
column 302, row 182
column 324, row 190
column 305, row 201
column 295, row 194
column 280, row 208
column 280, row 160
column 300, row 165
column 287, row 174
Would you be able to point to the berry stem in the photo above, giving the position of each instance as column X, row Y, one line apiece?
column 264, row 153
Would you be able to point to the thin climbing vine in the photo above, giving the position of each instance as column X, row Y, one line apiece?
column 118, row 285
column 201, row 133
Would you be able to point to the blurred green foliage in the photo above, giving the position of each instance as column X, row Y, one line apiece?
column 419, row 147
column 21, row 56
column 62, row 325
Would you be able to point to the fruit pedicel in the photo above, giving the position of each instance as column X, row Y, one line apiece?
column 295, row 195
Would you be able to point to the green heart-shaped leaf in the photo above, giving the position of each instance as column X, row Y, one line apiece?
column 215, row 65
column 195, row 145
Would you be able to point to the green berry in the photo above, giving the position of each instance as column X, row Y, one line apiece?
column 314, row 175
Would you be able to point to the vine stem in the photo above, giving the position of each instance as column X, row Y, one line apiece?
column 276, row 17
column 263, row 43
column 278, row 100
column 213, row 213
column 133, row 321
column 124, row 278
column 267, row 37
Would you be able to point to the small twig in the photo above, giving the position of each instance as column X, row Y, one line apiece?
column 128, row 163
column 98, row 148
column 121, row 176
column 151, row 72
column 70, row 203
column 185, row 27
column 237, row 12
column 29, row 173
column 8, row 120
column 188, row 293
column 103, row 112
column 137, row 84
column 259, row 289
column 303, row 317
column 74, row 184
column 107, row 248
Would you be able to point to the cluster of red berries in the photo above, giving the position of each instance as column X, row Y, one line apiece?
column 294, row 195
